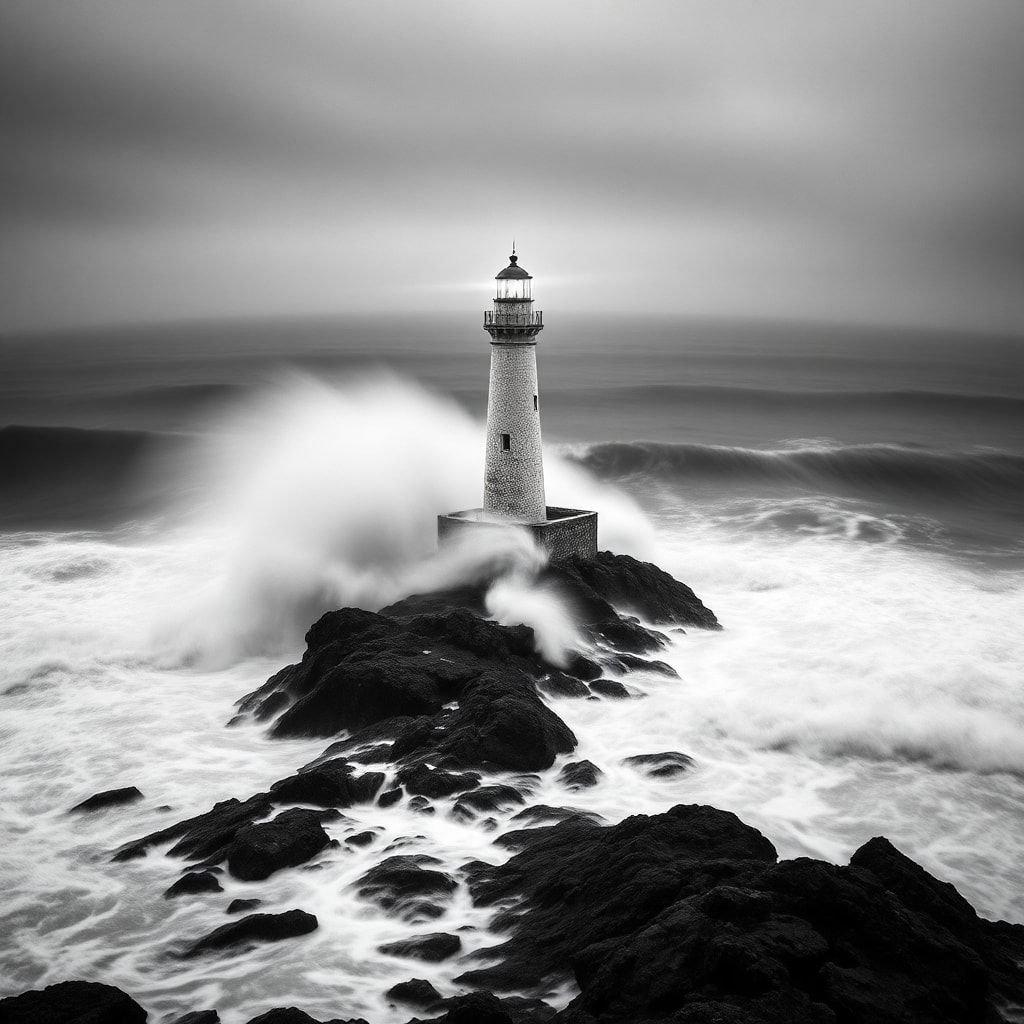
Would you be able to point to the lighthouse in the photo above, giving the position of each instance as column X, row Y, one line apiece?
column 513, row 493
column 514, row 470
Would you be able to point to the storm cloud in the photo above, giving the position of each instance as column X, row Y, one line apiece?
column 808, row 159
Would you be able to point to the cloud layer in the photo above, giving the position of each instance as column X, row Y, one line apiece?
column 241, row 157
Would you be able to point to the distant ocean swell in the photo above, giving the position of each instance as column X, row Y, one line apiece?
column 991, row 476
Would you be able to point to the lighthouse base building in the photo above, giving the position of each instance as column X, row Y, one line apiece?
column 514, row 473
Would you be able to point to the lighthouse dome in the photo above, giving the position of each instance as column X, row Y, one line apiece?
column 513, row 271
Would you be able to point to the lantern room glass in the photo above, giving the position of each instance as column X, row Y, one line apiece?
column 514, row 288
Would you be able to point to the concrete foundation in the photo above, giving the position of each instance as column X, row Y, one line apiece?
column 565, row 531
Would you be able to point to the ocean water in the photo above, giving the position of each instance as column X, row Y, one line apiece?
column 178, row 503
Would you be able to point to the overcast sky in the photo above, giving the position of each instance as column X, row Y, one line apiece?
column 816, row 159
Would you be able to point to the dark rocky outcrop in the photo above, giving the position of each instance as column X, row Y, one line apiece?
column 108, row 798
column 363, row 838
column 254, row 928
column 610, row 688
column 194, row 882
column 328, row 784
column 199, row 1017
column 291, row 838
column 408, row 885
column 205, row 836
column 433, row 948
column 293, row 1015
column 486, row 1008
column 664, row 765
column 687, row 917
column 486, row 800
column 72, row 1002
column 577, row 775
column 424, row 780
column 240, row 906
column 414, row 992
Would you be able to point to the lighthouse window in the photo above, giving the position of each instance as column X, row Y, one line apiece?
column 506, row 442
column 534, row 403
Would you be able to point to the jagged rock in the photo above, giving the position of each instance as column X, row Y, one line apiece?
column 239, row 906
column 423, row 780
column 204, row 836
column 327, row 784
column 194, row 882
column 634, row 586
column 72, row 1002
column 108, row 798
column 610, row 688
column 392, row 796
column 435, row 947
column 290, row 839
column 404, row 885
column 421, row 805
column 546, row 814
column 486, row 799
column 664, row 765
column 414, row 992
column 608, row 881
column 253, row 929
column 579, row 775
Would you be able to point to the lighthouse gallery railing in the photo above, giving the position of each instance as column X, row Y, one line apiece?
column 493, row 319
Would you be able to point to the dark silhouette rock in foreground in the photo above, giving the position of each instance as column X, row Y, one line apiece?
column 72, row 1002
column 687, row 916
column 291, row 838
column 255, row 928
column 194, row 882
column 108, row 798
column 240, row 906
column 435, row 947
column 199, row 1017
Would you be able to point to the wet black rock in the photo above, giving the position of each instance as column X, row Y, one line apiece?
column 194, row 882
column 547, row 814
column 577, row 775
column 687, row 917
column 561, row 684
column 433, row 948
column 486, row 799
column 424, row 780
column 199, row 1017
column 581, row 883
column 205, row 836
column 610, row 688
column 108, row 798
column 293, row 1015
column 486, row 1008
column 633, row 586
column 253, row 929
column 408, row 885
column 414, row 992
column 72, row 1002
column 361, row 838
column 664, row 765
column 240, row 906
column 391, row 796
column 291, row 838
column 328, row 784
column 421, row 805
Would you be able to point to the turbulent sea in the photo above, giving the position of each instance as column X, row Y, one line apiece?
column 178, row 503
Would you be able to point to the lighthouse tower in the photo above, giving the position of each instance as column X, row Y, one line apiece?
column 514, row 474
column 514, row 464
